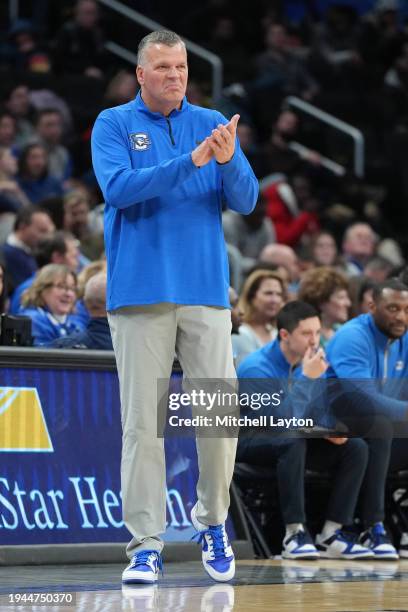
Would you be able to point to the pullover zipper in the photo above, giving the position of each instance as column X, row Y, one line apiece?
column 170, row 132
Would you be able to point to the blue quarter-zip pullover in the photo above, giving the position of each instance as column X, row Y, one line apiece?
column 163, row 231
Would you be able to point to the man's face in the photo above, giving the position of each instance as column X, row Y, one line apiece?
column 40, row 227
column 50, row 128
column 163, row 77
column 360, row 241
column 19, row 103
column 36, row 162
column 71, row 257
column 7, row 131
column 390, row 313
column 306, row 335
column 86, row 14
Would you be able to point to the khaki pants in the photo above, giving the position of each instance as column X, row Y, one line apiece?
column 145, row 339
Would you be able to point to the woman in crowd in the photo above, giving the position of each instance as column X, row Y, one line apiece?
column 50, row 302
column 263, row 295
column 324, row 249
column 327, row 290
column 33, row 176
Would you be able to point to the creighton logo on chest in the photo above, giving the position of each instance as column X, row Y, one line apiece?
column 140, row 141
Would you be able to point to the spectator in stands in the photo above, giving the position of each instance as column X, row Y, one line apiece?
column 378, row 269
column 368, row 355
column 28, row 54
column 79, row 45
column 49, row 302
column 293, row 361
column 291, row 223
column 335, row 47
column 77, row 221
column 284, row 257
column 12, row 198
column 49, row 130
column 324, row 249
column 17, row 102
column 57, row 248
column 121, row 88
column 279, row 158
column 31, row 225
column 96, row 334
column 249, row 233
column 8, row 129
column 361, row 295
column 327, row 290
column 358, row 247
column 33, row 176
column 262, row 297
column 279, row 66
column 91, row 269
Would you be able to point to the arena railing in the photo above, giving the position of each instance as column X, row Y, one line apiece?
column 354, row 133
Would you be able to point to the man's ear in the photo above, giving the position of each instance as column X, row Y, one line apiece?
column 283, row 334
column 372, row 307
column 140, row 75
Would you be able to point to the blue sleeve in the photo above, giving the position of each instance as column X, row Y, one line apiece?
column 43, row 331
column 123, row 186
column 239, row 183
column 349, row 358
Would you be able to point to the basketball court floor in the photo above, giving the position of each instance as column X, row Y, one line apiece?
column 272, row 585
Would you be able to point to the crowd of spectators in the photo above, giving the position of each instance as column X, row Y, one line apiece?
column 324, row 237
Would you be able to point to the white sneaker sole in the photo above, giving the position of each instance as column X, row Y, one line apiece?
column 225, row 577
column 312, row 556
column 386, row 557
column 324, row 554
column 135, row 577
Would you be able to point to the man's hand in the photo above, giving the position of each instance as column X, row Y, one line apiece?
column 335, row 440
column 222, row 140
column 202, row 154
column 314, row 363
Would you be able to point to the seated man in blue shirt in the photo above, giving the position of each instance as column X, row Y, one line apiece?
column 368, row 356
column 290, row 365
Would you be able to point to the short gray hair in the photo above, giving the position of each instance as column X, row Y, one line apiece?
column 158, row 37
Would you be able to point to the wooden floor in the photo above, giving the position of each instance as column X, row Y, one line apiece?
column 335, row 586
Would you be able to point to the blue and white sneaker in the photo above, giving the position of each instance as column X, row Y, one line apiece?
column 217, row 555
column 377, row 540
column 342, row 545
column 299, row 545
column 143, row 568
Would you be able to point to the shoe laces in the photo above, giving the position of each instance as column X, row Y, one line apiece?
column 379, row 535
column 143, row 557
column 301, row 536
column 218, row 539
column 346, row 536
